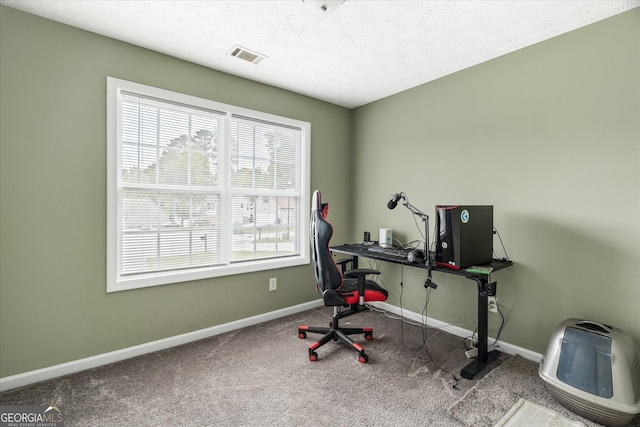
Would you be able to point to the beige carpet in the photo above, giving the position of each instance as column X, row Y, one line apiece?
column 261, row 376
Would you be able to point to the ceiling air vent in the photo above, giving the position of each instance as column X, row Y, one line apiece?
column 246, row 54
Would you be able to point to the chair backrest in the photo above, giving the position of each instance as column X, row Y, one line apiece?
column 327, row 274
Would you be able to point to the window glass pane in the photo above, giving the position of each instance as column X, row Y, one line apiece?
column 286, row 159
column 139, row 147
column 173, row 126
column 167, row 230
column 264, row 156
column 264, row 227
column 161, row 145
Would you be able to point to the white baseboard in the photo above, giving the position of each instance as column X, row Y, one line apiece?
column 38, row 375
column 31, row 377
column 458, row 331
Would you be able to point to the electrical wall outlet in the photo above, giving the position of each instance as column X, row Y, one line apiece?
column 273, row 284
column 492, row 304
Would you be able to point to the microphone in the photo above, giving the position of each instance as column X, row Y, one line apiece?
column 394, row 200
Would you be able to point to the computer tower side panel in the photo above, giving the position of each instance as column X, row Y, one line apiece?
column 464, row 235
column 476, row 236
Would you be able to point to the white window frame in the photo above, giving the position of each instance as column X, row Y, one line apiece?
column 116, row 281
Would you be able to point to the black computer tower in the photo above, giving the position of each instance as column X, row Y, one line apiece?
column 464, row 236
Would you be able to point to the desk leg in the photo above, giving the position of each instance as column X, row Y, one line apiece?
column 484, row 290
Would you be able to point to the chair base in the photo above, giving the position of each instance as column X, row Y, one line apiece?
column 335, row 333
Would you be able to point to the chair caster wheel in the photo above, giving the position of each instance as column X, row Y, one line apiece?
column 302, row 335
column 368, row 336
column 313, row 356
column 363, row 358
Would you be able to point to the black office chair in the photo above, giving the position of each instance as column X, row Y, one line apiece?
column 350, row 289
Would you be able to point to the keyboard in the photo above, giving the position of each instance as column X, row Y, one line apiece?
column 392, row 252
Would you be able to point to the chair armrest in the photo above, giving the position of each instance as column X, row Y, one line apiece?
column 361, row 275
column 356, row 272
column 343, row 264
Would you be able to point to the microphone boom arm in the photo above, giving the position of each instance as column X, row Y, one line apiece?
column 427, row 252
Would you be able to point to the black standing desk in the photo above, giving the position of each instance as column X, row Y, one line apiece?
column 485, row 290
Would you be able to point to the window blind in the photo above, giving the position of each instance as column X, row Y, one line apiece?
column 265, row 188
column 169, row 194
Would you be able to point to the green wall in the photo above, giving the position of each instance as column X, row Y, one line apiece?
column 548, row 135
column 53, row 303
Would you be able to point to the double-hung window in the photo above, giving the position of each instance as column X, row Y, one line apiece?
column 199, row 189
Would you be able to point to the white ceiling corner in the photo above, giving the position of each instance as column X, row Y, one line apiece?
column 362, row 51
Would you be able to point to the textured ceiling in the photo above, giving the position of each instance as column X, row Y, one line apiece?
column 363, row 51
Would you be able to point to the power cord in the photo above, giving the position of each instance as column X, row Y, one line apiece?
column 506, row 256
column 424, row 324
column 471, row 342
column 426, row 348
column 414, row 244
column 501, row 321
